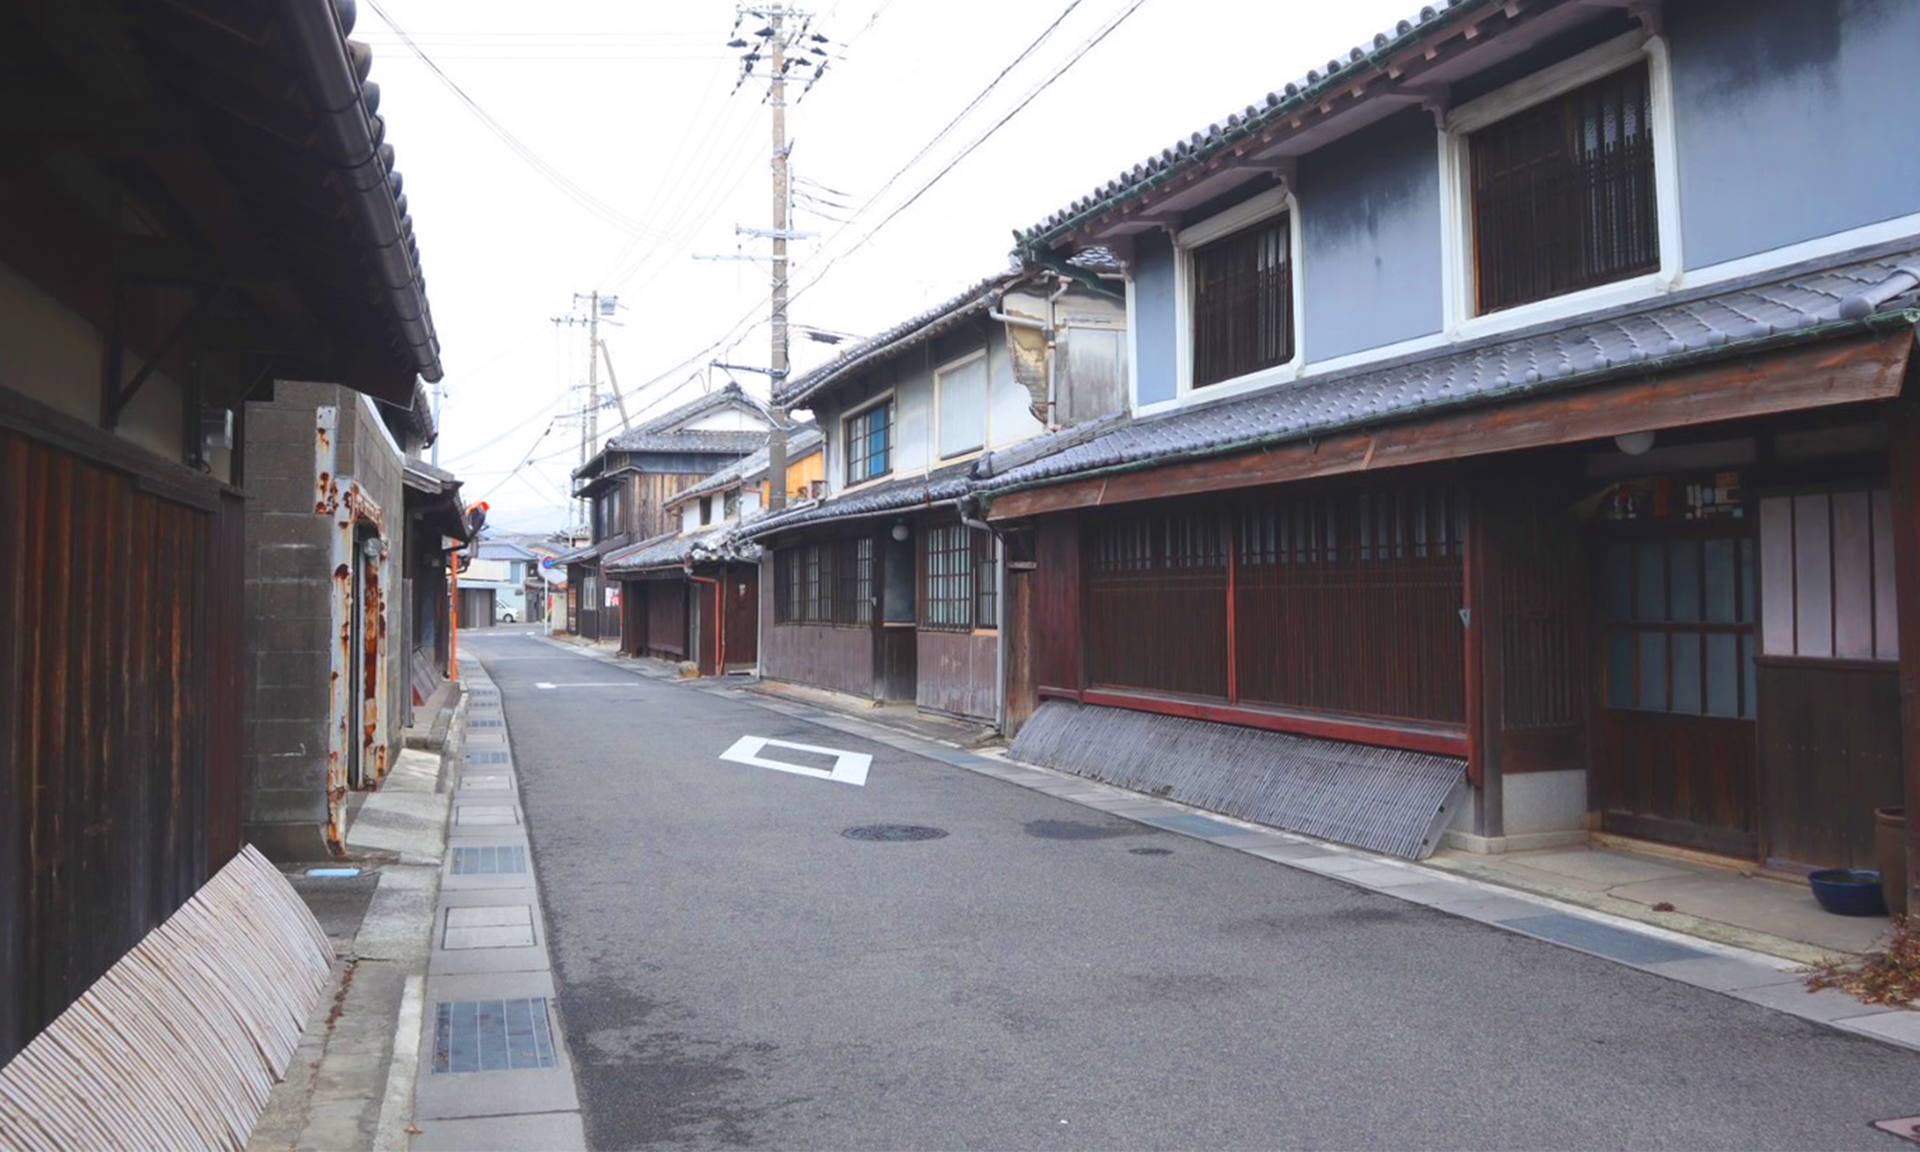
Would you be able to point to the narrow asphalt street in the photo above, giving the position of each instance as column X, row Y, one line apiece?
column 735, row 971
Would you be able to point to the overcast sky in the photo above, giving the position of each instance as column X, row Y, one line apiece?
column 650, row 158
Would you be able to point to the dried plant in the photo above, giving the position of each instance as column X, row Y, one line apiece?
column 1887, row 975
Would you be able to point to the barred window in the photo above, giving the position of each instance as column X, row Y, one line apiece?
column 827, row 583
column 869, row 443
column 1243, row 302
column 1563, row 194
column 959, row 587
column 854, row 604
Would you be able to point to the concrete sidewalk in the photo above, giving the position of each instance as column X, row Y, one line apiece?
column 1716, row 900
column 351, row 1079
column 492, row 1069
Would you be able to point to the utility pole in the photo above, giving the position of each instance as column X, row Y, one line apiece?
column 789, row 44
column 590, row 409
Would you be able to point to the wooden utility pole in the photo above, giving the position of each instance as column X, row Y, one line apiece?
column 787, row 43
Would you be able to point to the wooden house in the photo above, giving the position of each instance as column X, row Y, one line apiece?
column 882, row 589
column 693, row 594
column 628, row 482
column 200, row 204
column 1522, row 402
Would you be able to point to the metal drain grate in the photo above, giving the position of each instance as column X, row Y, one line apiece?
column 894, row 832
column 486, row 723
column 495, row 860
column 488, row 758
column 492, row 1036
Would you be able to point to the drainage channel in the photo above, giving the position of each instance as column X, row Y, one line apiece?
column 494, row 1066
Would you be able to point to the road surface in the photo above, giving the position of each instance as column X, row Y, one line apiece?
column 734, row 971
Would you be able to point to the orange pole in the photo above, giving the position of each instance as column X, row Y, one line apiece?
column 453, row 592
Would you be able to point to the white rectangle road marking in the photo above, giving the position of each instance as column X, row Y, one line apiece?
column 848, row 767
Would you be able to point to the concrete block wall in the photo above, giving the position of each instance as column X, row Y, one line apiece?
column 289, row 660
column 289, row 601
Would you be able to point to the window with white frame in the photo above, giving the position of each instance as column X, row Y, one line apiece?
column 1243, row 302
column 869, row 441
column 960, row 400
column 1562, row 193
column 1562, row 190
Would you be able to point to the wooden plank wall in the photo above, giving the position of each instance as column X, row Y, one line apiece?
column 743, row 614
column 955, row 673
column 821, row 655
column 667, row 618
column 1058, row 662
column 1829, row 755
column 119, row 737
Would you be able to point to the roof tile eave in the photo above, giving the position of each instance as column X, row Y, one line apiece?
column 1199, row 146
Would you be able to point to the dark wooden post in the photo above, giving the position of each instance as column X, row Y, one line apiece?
column 1903, row 458
column 1483, row 663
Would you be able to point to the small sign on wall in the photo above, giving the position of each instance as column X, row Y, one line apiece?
column 613, row 595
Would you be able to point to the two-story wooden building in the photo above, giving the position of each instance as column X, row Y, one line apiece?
column 1522, row 414
column 693, row 594
column 629, row 481
column 883, row 589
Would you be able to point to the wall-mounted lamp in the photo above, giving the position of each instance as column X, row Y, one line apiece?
column 1634, row 443
column 900, row 532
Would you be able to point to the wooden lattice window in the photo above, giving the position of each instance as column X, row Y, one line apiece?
column 1563, row 194
column 948, row 568
column 854, row 602
column 1678, row 616
column 870, row 443
column 1350, row 602
column 1243, row 302
column 1156, row 602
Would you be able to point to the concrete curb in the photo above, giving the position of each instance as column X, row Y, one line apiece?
column 487, row 955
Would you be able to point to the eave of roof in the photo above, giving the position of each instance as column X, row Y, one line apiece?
column 1281, row 105
column 942, row 486
column 975, row 298
column 1823, row 300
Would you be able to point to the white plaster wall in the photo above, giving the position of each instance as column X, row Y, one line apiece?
column 728, row 420
column 52, row 354
column 46, row 351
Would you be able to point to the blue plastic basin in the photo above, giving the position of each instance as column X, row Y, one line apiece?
column 1849, row 891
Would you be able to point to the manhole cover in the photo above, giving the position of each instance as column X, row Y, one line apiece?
column 894, row 832
column 1151, row 851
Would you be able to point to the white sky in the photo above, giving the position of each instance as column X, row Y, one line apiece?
column 629, row 101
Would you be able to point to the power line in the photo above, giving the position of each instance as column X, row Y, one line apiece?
column 599, row 208
column 1032, row 95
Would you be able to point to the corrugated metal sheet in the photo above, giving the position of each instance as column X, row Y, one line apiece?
column 1380, row 799
column 179, row 1044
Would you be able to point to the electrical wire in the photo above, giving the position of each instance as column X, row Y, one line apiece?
column 601, row 210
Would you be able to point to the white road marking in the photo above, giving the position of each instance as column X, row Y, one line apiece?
column 542, row 684
column 849, row 767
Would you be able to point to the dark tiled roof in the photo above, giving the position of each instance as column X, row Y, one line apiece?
column 730, row 395
column 800, row 442
column 976, row 297
column 1279, row 104
column 666, row 548
column 1711, row 323
column 690, row 441
column 580, row 555
column 941, row 486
